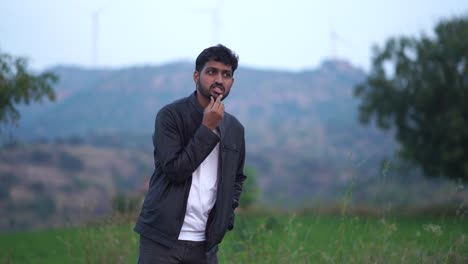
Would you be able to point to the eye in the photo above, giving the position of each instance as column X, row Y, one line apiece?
column 211, row 72
column 227, row 75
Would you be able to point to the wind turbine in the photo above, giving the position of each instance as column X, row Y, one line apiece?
column 95, row 36
column 215, row 13
column 95, row 32
column 216, row 19
column 335, row 38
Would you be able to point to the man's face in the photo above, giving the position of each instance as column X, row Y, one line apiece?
column 214, row 79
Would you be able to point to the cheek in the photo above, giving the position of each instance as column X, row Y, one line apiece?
column 228, row 85
column 205, row 80
column 204, row 83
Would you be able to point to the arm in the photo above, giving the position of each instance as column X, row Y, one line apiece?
column 178, row 162
column 240, row 176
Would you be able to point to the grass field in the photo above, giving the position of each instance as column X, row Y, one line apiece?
column 264, row 238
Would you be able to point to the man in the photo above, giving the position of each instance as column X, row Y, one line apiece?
column 199, row 153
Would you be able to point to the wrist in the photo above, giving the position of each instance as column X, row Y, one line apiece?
column 209, row 126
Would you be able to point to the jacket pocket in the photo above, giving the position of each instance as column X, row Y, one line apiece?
column 230, row 147
column 230, row 159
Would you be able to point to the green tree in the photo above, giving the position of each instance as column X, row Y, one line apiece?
column 19, row 86
column 250, row 189
column 418, row 87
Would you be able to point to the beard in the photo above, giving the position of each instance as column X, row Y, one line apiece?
column 205, row 92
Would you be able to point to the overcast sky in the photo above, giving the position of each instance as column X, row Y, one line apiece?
column 269, row 34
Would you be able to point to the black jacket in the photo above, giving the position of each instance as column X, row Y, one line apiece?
column 181, row 143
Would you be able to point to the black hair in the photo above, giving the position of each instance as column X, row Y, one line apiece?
column 219, row 53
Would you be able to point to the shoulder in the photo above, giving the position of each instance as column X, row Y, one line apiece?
column 172, row 111
column 177, row 104
column 174, row 106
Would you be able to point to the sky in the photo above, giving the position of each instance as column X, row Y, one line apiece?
column 291, row 35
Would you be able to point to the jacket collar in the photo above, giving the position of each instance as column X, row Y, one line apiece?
column 195, row 103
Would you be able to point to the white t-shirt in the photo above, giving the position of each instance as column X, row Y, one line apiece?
column 201, row 198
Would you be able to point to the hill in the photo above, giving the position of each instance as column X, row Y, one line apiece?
column 302, row 122
column 302, row 134
column 47, row 185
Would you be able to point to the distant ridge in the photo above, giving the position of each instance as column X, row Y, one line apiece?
column 300, row 126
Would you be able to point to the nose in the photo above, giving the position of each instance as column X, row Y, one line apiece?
column 219, row 78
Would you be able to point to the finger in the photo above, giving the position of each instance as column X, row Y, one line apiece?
column 220, row 111
column 211, row 103
column 221, row 107
column 218, row 101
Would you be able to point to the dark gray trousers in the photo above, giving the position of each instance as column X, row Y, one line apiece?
column 184, row 252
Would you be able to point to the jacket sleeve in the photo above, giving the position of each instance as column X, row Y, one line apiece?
column 240, row 176
column 178, row 161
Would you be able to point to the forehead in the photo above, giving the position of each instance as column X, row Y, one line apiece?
column 217, row 65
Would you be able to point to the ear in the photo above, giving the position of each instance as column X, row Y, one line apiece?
column 196, row 76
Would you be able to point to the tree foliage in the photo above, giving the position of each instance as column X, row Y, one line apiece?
column 250, row 189
column 19, row 86
column 418, row 87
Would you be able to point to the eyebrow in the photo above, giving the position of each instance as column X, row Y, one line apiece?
column 218, row 69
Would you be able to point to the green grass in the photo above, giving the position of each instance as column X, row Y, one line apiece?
column 264, row 238
column 111, row 242
column 328, row 239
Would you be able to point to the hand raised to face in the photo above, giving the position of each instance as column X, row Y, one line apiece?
column 213, row 113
